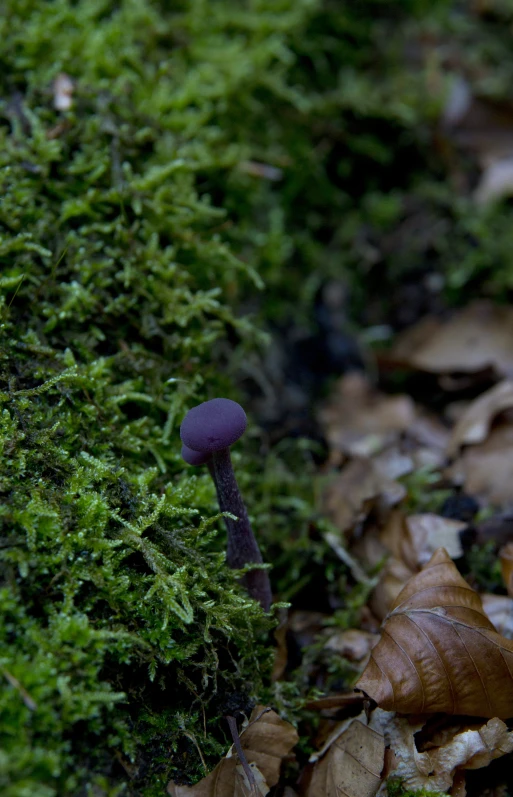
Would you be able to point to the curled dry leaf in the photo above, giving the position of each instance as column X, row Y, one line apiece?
column 360, row 421
column 486, row 470
column 439, row 652
column 266, row 741
column 474, row 424
column 353, row 644
column 475, row 339
column 351, row 761
column 411, row 540
column 351, row 495
column 435, row 769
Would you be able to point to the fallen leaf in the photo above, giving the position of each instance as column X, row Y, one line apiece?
column 351, row 495
column 360, row 421
column 438, row 651
column 352, row 644
column 266, row 741
column 351, row 761
column 412, row 540
column 429, row 531
column 434, row 770
column 475, row 339
column 475, row 422
column 486, row 470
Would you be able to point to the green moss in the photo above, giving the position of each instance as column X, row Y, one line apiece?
column 396, row 789
column 133, row 235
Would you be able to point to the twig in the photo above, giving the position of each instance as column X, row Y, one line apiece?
column 232, row 724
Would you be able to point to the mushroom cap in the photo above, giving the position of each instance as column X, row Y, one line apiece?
column 195, row 458
column 213, row 425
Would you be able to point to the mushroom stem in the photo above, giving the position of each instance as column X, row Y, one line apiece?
column 242, row 546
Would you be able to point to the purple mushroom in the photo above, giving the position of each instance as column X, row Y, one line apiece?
column 208, row 431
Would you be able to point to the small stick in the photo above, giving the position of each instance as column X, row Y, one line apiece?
column 232, row 724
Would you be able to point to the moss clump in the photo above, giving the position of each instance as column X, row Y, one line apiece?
column 395, row 788
column 132, row 231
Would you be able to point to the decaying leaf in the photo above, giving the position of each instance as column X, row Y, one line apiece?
column 266, row 741
column 350, row 496
column 434, row 770
column 410, row 541
column 474, row 424
column 360, row 421
column 351, row 762
column 439, row 652
column 486, row 470
column 475, row 339
column 353, row 644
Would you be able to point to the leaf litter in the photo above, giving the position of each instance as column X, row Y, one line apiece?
column 412, row 681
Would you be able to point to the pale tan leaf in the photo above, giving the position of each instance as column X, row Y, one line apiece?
column 474, row 339
column 412, row 540
column 350, row 764
column 474, row 423
column 360, row 421
column 434, row 769
column 352, row 644
column 486, row 470
column 429, row 531
column 350, row 496
column 438, row 651
column 266, row 741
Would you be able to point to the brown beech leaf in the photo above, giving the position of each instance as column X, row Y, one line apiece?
column 360, row 421
column 474, row 424
column 351, row 495
column 486, row 470
column 266, row 741
column 351, row 761
column 474, row 339
column 439, row 652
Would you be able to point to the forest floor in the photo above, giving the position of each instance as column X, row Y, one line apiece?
column 416, row 486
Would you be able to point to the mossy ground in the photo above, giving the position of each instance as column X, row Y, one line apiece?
column 132, row 236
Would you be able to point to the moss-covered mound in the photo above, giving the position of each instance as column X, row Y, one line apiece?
column 211, row 148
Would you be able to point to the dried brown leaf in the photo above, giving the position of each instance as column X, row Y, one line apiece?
column 352, row 764
column 352, row 644
column 475, row 422
column 486, row 470
column 438, row 651
column 360, row 421
column 266, row 741
column 351, row 495
column 412, row 540
column 475, row 339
